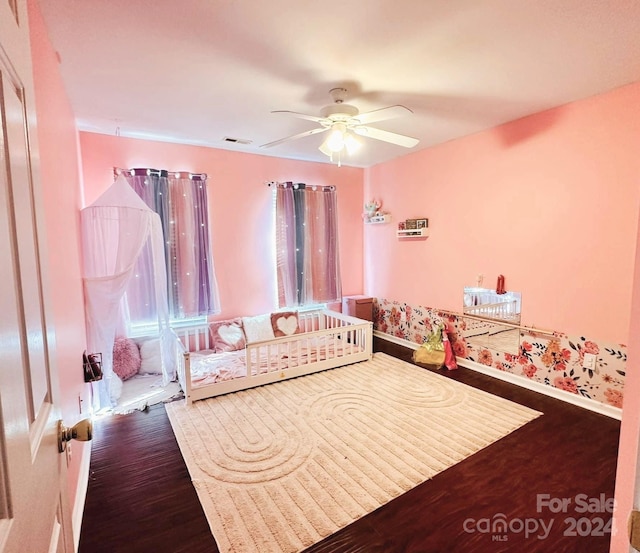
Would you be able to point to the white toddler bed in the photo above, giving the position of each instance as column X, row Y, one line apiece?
column 327, row 340
column 501, row 311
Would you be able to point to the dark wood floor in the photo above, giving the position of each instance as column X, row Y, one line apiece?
column 140, row 498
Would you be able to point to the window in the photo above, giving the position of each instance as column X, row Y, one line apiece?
column 307, row 260
column 180, row 199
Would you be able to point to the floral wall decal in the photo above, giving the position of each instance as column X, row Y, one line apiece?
column 551, row 360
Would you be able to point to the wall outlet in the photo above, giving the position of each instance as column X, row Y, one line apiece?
column 589, row 361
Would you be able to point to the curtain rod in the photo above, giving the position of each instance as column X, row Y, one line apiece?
column 296, row 185
column 528, row 329
column 179, row 174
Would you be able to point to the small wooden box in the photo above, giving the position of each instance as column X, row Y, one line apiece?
column 358, row 306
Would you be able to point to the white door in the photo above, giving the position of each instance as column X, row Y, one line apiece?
column 34, row 515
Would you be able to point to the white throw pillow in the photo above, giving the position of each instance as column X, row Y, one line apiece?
column 258, row 328
column 150, row 357
column 115, row 388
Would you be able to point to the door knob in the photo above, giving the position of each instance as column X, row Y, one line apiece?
column 81, row 431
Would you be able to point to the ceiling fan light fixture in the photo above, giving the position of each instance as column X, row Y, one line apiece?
column 340, row 141
column 325, row 149
column 335, row 141
column 351, row 143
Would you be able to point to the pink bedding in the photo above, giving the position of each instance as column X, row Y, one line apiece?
column 208, row 367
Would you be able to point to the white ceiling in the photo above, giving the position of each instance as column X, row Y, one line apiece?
column 196, row 71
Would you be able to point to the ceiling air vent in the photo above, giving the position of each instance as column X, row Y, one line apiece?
column 236, row 140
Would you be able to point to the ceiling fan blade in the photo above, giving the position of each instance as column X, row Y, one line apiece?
column 295, row 136
column 386, row 136
column 382, row 114
column 301, row 115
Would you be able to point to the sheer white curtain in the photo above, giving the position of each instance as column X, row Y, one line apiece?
column 116, row 229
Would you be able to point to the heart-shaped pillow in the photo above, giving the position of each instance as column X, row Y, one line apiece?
column 227, row 335
column 285, row 323
column 230, row 334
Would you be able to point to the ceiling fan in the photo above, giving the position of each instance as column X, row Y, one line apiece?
column 344, row 122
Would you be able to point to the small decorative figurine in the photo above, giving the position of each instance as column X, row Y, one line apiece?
column 371, row 208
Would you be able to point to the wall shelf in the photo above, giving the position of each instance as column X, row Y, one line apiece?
column 413, row 233
column 378, row 219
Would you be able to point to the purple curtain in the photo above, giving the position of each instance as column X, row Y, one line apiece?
column 180, row 199
column 308, row 267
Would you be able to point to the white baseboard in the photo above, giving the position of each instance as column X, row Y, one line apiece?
column 580, row 401
column 81, row 493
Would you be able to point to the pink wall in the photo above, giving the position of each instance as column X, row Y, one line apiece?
column 550, row 201
column 240, row 208
column 58, row 148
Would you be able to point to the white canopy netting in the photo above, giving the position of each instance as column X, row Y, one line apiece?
column 117, row 229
